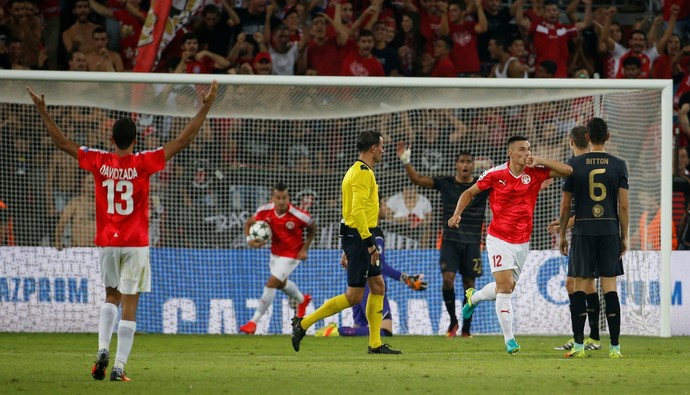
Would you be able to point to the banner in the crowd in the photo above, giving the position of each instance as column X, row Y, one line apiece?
column 164, row 19
column 215, row 291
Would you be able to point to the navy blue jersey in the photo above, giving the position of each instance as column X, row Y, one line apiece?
column 595, row 181
column 470, row 229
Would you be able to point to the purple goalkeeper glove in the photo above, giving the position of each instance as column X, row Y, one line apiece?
column 415, row 282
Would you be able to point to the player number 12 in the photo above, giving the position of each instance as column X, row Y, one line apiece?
column 125, row 206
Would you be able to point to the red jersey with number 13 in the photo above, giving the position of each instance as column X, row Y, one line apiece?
column 122, row 194
column 286, row 229
column 512, row 199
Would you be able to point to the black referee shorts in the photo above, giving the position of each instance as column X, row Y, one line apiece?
column 359, row 267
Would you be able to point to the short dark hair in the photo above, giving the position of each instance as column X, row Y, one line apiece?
column 365, row 33
column 448, row 42
column 98, row 29
column 632, row 61
column 516, row 138
column 366, row 139
column 124, row 132
column 464, row 153
column 549, row 66
column 210, row 9
column 597, row 129
column 189, row 36
column 279, row 187
column 577, row 134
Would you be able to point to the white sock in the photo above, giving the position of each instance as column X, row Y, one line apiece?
column 264, row 303
column 106, row 324
column 292, row 291
column 504, row 312
column 125, row 338
column 486, row 293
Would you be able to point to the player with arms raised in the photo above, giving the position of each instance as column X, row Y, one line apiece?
column 288, row 248
column 599, row 186
column 513, row 189
column 122, row 225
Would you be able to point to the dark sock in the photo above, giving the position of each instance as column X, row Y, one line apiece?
column 578, row 316
column 593, row 310
column 449, row 301
column 613, row 316
column 466, row 323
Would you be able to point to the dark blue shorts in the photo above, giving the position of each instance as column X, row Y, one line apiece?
column 359, row 267
column 595, row 256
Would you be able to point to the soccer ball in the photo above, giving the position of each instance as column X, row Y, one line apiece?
column 260, row 231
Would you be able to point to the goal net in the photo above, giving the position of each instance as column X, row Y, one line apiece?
column 302, row 131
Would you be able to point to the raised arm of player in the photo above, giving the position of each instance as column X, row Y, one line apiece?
column 185, row 138
column 404, row 156
column 463, row 202
column 558, row 169
column 566, row 207
column 59, row 139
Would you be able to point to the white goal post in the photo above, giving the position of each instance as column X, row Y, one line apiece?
column 281, row 110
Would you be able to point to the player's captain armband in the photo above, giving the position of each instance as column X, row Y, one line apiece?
column 405, row 157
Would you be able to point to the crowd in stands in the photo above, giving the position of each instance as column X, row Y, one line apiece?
column 458, row 38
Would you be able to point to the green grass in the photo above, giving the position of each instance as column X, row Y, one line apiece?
column 186, row 364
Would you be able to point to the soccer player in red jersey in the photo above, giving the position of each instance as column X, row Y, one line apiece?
column 288, row 248
column 513, row 189
column 122, row 225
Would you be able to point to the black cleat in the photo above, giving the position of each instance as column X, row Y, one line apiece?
column 385, row 348
column 119, row 375
column 297, row 333
column 98, row 370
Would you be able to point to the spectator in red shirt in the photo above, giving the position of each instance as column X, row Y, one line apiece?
column 668, row 65
column 550, row 37
column 631, row 68
column 194, row 61
column 444, row 66
column 464, row 33
column 361, row 62
column 323, row 53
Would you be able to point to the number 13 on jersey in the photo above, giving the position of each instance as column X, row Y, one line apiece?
column 123, row 204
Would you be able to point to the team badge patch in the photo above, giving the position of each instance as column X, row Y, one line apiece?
column 526, row 179
column 290, row 225
column 597, row 210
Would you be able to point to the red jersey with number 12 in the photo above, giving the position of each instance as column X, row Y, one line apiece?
column 122, row 194
column 512, row 199
column 286, row 229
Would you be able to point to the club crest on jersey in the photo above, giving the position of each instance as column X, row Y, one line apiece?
column 525, row 179
column 597, row 210
column 290, row 225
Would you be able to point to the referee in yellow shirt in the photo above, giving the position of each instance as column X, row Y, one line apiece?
column 360, row 196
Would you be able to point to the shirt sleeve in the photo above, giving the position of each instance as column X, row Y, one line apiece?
column 484, row 181
column 361, row 189
column 87, row 159
column 153, row 161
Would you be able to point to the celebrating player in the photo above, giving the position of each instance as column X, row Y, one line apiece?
column 599, row 186
column 288, row 249
column 460, row 248
column 122, row 225
column 514, row 187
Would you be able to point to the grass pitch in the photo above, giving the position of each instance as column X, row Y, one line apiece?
column 189, row 364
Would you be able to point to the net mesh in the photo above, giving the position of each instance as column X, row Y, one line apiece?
column 206, row 280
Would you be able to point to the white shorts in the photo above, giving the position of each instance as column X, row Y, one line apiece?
column 126, row 268
column 506, row 256
column 282, row 266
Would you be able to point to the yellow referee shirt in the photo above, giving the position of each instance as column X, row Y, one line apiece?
column 360, row 199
